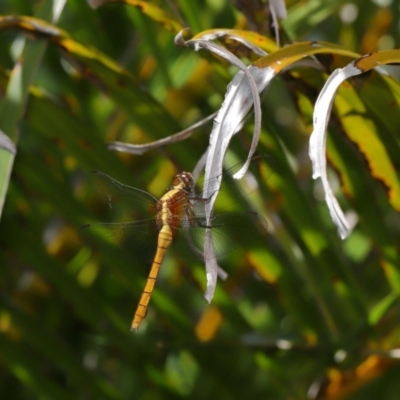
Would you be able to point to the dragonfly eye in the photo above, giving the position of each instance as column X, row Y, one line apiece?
column 185, row 178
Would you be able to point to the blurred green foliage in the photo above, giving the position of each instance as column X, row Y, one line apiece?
column 305, row 315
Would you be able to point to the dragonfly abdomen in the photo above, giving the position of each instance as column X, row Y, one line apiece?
column 164, row 241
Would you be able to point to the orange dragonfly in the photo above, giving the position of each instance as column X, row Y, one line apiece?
column 156, row 223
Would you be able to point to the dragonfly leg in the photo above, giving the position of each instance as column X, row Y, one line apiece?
column 202, row 199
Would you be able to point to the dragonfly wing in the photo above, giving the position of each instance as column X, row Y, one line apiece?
column 228, row 231
column 122, row 202
column 233, row 193
column 133, row 240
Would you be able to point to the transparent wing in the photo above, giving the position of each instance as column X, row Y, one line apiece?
column 228, row 232
column 122, row 202
column 234, row 194
column 135, row 240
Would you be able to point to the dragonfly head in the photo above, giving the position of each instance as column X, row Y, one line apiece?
column 184, row 180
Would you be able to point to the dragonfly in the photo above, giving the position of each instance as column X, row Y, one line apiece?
column 177, row 217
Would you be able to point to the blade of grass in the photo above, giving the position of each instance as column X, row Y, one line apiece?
column 17, row 93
